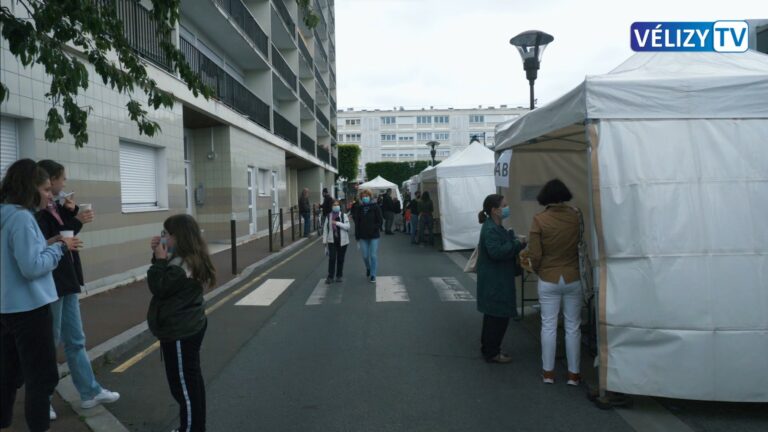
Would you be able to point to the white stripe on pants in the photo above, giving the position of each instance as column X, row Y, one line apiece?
column 184, row 387
column 550, row 296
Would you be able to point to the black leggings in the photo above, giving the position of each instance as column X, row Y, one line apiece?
column 336, row 254
column 185, row 378
column 494, row 329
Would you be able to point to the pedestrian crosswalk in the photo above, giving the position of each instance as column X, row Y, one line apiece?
column 387, row 289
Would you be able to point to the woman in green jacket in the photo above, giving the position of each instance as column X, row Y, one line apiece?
column 496, row 296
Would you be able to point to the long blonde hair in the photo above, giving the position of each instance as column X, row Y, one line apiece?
column 191, row 247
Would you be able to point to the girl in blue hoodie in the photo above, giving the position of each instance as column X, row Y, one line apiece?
column 27, row 354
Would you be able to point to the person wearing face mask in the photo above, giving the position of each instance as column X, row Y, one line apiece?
column 27, row 260
column 496, row 297
column 368, row 221
column 336, row 239
column 554, row 254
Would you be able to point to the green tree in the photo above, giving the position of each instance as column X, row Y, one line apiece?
column 396, row 172
column 60, row 35
column 349, row 158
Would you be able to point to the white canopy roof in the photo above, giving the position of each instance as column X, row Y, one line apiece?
column 474, row 160
column 650, row 86
column 381, row 184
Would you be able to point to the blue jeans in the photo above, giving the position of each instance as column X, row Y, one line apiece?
column 414, row 227
column 370, row 250
column 68, row 328
column 305, row 216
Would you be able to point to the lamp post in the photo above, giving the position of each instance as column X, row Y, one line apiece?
column 475, row 138
column 432, row 151
column 531, row 46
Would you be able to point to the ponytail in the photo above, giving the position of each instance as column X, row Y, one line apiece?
column 482, row 217
column 491, row 202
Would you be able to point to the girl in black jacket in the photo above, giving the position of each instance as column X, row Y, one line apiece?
column 181, row 266
column 368, row 221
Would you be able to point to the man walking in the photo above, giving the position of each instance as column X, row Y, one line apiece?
column 305, row 210
column 388, row 208
column 325, row 208
column 414, row 208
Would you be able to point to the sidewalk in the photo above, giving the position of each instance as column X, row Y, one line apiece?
column 111, row 313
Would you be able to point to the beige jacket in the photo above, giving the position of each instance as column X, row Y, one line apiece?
column 553, row 244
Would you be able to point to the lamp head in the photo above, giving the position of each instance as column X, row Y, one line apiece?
column 531, row 45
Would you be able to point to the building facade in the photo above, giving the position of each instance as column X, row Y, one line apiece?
column 401, row 135
column 267, row 133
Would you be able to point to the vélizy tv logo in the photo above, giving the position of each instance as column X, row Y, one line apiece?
column 718, row 36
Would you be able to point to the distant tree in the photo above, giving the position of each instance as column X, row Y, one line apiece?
column 310, row 17
column 349, row 158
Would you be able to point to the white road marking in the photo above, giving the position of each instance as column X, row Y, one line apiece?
column 460, row 261
column 391, row 289
column 449, row 289
column 266, row 293
column 325, row 294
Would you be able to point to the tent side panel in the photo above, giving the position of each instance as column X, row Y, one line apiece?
column 461, row 199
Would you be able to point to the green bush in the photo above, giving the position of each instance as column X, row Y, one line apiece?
column 349, row 156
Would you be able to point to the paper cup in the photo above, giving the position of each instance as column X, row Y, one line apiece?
column 86, row 207
column 67, row 234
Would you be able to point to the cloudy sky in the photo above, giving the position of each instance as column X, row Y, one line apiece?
column 417, row 53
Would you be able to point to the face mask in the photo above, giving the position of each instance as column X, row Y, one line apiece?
column 505, row 212
column 366, row 200
column 336, row 209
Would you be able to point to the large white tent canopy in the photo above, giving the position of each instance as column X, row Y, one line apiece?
column 380, row 184
column 667, row 155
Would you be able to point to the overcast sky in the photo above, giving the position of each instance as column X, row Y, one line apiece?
column 417, row 53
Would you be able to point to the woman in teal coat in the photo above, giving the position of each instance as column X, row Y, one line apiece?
column 496, row 297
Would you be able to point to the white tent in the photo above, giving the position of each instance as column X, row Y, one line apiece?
column 667, row 153
column 463, row 181
column 380, row 184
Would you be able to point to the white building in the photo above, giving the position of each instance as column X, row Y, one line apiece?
column 268, row 132
column 400, row 134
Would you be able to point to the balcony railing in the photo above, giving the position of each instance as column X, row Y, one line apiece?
column 285, row 129
column 334, row 162
column 323, row 154
column 333, row 132
column 307, row 144
column 141, row 32
column 321, row 82
column 283, row 69
column 332, row 50
column 285, row 16
column 226, row 89
column 319, row 47
column 333, row 78
column 333, row 103
column 322, row 119
column 242, row 17
column 305, row 52
column 306, row 97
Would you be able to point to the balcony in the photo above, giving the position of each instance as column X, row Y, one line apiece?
column 141, row 32
column 283, row 69
column 334, row 162
column 305, row 52
column 285, row 129
column 306, row 97
column 333, row 78
column 319, row 48
column 323, row 119
column 226, row 89
column 333, row 104
column 285, row 16
column 243, row 19
column 321, row 82
column 323, row 154
column 307, row 144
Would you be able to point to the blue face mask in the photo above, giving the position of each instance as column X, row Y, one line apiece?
column 336, row 209
column 366, row 200
column 505, row 212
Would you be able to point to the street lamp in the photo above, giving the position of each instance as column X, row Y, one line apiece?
column 531, row 45
column 475, row 138
column 433, row 152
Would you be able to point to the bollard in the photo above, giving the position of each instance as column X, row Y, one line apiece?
column 293, row 227
column 233, row 238
column 282, row 242
column 269, row 219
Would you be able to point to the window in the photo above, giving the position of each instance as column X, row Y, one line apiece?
column 405, row 138
column 353, row 137
column 352, row 122
column 477, row 119
column 9, row 144
column 263, row 182
column 444, row 153
column 424, row 120
column 441, row 119
column 388, row 137
column 138, row 177
column 424, row 136
column 388, row 120
column 442, row 136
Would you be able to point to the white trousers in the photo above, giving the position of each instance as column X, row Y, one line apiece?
column 550, row 296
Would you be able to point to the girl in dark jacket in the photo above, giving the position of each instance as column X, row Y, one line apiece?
column 368, row 219
column 496, row 298
column 181, row 266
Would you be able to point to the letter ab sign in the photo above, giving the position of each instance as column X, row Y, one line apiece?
column 501, row 171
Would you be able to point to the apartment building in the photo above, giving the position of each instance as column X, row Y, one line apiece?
column 266, row 134
column 402, row 135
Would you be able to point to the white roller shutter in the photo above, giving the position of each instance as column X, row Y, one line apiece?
column 138, row 176
column 9, row 144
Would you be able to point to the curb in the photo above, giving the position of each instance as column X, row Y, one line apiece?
column 100, row 419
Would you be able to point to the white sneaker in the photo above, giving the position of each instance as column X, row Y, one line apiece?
column 105, row 396
column 52, row 414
